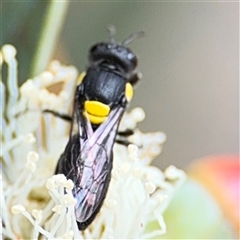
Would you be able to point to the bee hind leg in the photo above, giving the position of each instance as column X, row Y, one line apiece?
column 122, row 137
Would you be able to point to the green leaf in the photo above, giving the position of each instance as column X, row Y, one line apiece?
column 32, row 27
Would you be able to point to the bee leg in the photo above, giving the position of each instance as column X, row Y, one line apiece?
column 123, row 142
column 126, row 133
column 63, row 116
column 122, row 137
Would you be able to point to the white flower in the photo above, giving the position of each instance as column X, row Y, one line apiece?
column 37, row 203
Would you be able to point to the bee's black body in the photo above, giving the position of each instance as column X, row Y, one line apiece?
column 103, row 85
column 87, row 158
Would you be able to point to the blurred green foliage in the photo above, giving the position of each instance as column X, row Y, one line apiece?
column 21, row 24
column 194, row 214
column 33, row 28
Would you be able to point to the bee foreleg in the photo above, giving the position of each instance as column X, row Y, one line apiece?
column 63, row 116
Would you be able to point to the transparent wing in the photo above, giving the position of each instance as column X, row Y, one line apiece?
column 67, row 163
column 95, row 166
column 87, row 161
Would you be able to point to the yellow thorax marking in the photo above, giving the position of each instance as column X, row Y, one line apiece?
column 96, row 108
column 97, row 112
column 95, row 119
column 80, row 77
column 128, row 92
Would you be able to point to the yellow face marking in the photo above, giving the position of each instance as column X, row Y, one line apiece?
column 96, row 108
column 80, row 77
column 128, row 92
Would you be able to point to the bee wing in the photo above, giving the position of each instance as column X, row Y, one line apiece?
column 95, row 165
column 78, row 134
column 80, row 125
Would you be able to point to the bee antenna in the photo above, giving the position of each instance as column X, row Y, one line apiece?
column 132, row 37
column 112, row 32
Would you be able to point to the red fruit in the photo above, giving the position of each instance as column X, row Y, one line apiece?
column 220, row 176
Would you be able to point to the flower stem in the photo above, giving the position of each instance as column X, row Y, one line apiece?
column 55, row 16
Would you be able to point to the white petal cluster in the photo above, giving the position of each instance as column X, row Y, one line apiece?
column 38, row 204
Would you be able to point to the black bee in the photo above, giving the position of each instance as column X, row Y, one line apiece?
column 100, row 101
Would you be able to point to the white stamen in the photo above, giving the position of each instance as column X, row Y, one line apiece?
column 69, row 235
column 150, row 187
column 171, row 173
column 58, row 209
column 116, row 174
column 133, row 151
column 37, row 214
column 9, row 52
column 162, row 197
column 111, row 203
column 50, row 184
column 69, row 185
column 33, row 157
column 54, row 66
column 16, row 209
column 31, row 166
column 161, row 137
column 60, row 180
column 137, row 172
column 46, row 77
column 69, row 200
column 30, row 138
column 125, row 167
column 138, row 114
